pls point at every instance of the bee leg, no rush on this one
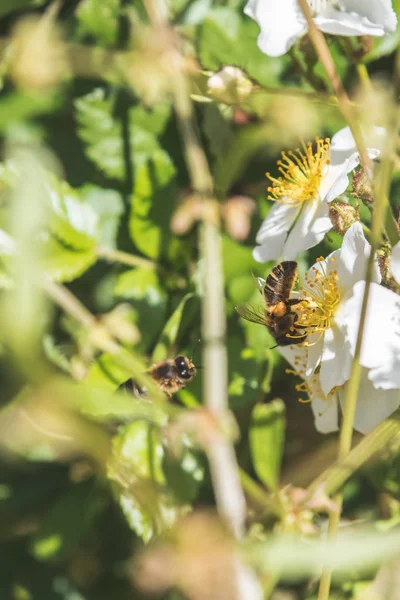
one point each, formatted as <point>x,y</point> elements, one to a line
<point>294,301</point>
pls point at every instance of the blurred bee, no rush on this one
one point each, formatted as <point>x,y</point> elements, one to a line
<point>277,314</point>
<point>170,375</point>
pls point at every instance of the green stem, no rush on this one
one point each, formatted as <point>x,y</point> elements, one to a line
<point>125,258</point>
<point>336,475</point>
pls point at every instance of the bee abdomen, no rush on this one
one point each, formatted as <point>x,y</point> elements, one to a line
<point>279,282</point>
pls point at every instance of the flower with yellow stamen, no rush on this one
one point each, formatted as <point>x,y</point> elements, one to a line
<point>310,178</point>
<point>301,173</point>
<point>329,314</point>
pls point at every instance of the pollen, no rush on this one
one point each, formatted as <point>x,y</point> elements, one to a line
<point>301,173</point>
<point>322,293</point>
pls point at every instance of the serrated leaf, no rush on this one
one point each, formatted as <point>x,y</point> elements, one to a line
<point>167,343</point>
<point>109,207</point>
<point>68,522</point>
<point>136,467</point>
<point>267,432</point>
<point>99,18</point>
<point>102,132</point>
<point>153,202</point>
<point>143,286</point>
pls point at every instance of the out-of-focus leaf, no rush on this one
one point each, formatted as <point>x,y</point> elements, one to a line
<point>68,522</point>
<point>73,222</point>
<point>237,259</point>
<point>184,476</point>
<point>63,263</point>
<point>383,46</point>
<point>217,129</point>
<point>143,287</point>
<point>8,6</point>
<point>153,202</point>
<point>55,354</point>
<point>228,38</point>
<point>267,430</point>
<point>244,373</point>
<point>136,468</point>
<point>99,18</point>
<point>167,343</point>
<point>102,132</point>
<point>109,208</point>
<point>17,107</point>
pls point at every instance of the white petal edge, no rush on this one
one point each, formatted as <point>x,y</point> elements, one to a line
<point>273,232</point>
<point>281,23</point>
<point>373,406</point>
<point>377,11</point>
<point>395,262</point>
<point>325,414</point>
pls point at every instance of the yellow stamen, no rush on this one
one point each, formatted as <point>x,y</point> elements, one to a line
<point>322,292</point>
<point>302,171</point>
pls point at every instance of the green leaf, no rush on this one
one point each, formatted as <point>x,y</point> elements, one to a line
<point>267,430</point>
<point>63,263</point>
<point>237,259</point>
<point>99,18</point>
<point>68,522</point>
<point>229,39</point>
<point>143,286</point>
<point>184,475</point>
<point>8,6</point>
<point>102,132</point>
<point>169,339</point>
<point>136,467</point>
<point>153,202</point>
<point>109,207</point>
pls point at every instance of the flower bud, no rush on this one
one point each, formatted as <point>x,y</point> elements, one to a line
<point>229,85</point>
<point>186,214</point>
<point>362,188</point>
<point>237,212</point>
<point>38,57</point>
<point>343,215</point>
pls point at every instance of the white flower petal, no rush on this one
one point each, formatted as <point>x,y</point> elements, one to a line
<point>303,236</point>
<point>351,260</point>
<point>373,406</point>
<point>315,347</point>
<point>339,177</point>
<point>379,12</point>
<point>296,356</point>
<point>325,413</point>
<point>381,338</point>
<point>281,23</point>
<point>395,262</point>
<point>340,22</point>
<point>273,232</point>
<point>335,361</point>
<point>343,144</point>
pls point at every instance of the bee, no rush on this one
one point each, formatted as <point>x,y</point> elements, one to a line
<point>277,314</point>
<point>170,375</point>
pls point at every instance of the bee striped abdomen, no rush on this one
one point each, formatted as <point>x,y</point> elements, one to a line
<point>279,283</point>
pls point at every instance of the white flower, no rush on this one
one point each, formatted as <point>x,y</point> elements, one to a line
<point>309,181</point>
<point>335,289</point>
<point>282,21</point>
<point>373,406</point>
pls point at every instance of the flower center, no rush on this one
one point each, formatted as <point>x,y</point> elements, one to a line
<point>301,173</point>
<point>322,292</point>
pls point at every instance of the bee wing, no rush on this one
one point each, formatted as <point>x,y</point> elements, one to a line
<point>254,314</point>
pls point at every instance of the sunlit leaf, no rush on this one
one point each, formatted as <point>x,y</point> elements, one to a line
<point>167,343</point>
<point>144,288</point>
<point>102,132</point>
<point>100,19</point>
<point>267,430</point>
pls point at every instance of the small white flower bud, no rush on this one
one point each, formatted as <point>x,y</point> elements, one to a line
<point>229,85</point>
